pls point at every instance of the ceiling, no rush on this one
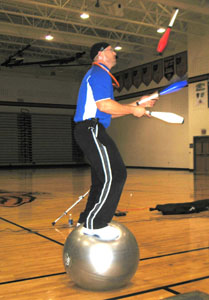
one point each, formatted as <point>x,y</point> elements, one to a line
<point>131,23</point>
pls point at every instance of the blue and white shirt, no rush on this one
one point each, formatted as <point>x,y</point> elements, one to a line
<point>96,86</point>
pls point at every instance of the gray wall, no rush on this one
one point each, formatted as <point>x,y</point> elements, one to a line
<point>149,142</point>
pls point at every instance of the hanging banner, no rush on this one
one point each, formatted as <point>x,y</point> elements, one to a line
<point>119,77</point>
<point>181,64</point>
<point>157,70</point>
<point>137,76</point>
<point>169,67</point>
<point>147,74</point>
<point>127,79</point>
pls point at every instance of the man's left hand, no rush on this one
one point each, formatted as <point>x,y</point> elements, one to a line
<point>149,103</point>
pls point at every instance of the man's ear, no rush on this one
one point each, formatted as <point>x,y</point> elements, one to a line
<point>99,55</point>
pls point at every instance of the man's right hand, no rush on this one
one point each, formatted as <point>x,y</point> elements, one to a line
<point>139,111</point>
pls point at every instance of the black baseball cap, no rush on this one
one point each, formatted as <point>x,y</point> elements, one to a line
<point>96,48</point>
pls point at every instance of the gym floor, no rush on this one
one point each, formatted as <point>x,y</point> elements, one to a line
<point>174,249</point>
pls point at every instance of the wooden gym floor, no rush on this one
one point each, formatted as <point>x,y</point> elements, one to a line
<point>174,250</point>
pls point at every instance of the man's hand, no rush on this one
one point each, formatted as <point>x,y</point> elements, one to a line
<point>139,111</point>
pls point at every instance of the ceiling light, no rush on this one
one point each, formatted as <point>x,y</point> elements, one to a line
<point>84,15</point>
<point>161,30</point>
<point>49,37</point>
<point>118,48</point>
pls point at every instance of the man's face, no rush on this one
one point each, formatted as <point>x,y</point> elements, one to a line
<point>109,56</point>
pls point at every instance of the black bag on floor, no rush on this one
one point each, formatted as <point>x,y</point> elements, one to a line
<point>183,208</point>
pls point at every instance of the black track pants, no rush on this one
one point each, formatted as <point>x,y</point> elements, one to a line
<point>108,173</point>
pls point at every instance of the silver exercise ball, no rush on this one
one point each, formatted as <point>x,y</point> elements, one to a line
<point>94,264</point>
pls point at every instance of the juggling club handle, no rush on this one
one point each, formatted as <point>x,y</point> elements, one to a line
<point>151,97</point>
<point>148,112</point>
